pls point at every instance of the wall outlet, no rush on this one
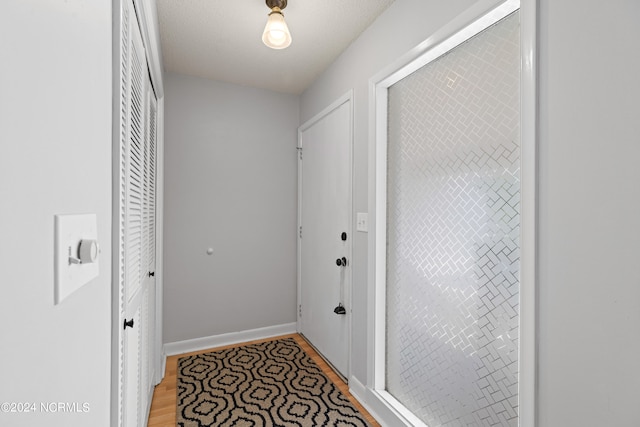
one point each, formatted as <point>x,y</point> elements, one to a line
<point>362,221</point>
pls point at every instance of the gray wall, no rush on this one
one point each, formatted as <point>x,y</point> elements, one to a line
<point>55,158</point>
<point>230,184</point>
<point>589,195</point>
<point>589,213</point>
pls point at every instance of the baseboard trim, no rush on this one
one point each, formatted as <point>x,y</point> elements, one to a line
<point>359,391</point>
<point>163,368</point>
<point>197,344</point>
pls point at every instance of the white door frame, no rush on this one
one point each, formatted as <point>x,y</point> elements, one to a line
<point>483,13</point>
<point>347,97</point>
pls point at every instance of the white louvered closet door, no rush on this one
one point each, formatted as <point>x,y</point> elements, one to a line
<point>136,226</point>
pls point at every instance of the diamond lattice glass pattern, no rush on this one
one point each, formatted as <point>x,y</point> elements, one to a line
<point>453,257</point>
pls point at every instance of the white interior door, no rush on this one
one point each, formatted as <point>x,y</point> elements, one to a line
<point>325,214</point>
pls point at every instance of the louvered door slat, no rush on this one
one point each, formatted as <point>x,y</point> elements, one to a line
<point>145,180</point>
<point>152,182</point>
<point>135,172</point>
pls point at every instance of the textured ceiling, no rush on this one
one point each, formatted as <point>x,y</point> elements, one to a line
<point>222,40</point>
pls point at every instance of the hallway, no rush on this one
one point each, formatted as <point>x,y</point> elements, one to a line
<point>230,186</point>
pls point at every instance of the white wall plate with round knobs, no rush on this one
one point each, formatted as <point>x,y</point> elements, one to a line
<point>76,253</point>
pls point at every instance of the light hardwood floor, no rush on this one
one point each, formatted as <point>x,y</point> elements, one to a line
<point>163,406</point>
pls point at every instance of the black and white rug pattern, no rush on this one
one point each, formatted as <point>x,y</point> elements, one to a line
<point>268,384</point>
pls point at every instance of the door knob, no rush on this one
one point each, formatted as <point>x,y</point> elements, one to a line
<point>128,323</point>
<point>341,262</point>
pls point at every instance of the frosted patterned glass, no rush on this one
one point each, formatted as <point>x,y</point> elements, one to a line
<point>453,257</point>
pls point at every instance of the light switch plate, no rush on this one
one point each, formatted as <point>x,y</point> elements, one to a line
<point>362,221</point>
<point>69,231</point>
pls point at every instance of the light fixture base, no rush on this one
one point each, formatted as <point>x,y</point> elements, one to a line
<point>276,3</point>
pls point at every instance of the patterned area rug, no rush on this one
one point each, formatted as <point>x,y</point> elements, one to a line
<point>268,384</point>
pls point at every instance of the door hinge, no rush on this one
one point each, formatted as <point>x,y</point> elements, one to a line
<point>299,310</point>
<point>300,232</point>
<point>299,152</point>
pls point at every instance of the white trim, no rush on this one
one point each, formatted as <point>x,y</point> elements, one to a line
<point>380,213</point>
<point>204,343</point>
<point>116,76</point>
<point>377,404</point>
<point>347,97</point>
<point>480,16</point>
<point>528,357</point>
<point>299,244</point>
<point>351,239</point>
<point>400,411</point>
<point>358,390</point>
<point>371,242</point>
<point>445,39</point>
<point>163,363</point>
<point>360,393</point>
<point>147,411</point>
<point>335,104</point>
<point>158,351</point>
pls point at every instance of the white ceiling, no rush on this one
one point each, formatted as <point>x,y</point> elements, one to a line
<point>222,40</point>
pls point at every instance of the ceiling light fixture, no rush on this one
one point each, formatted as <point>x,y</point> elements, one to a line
<point>276,33</point>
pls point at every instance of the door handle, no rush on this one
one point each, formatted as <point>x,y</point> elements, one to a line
<point>128,323</point>
<point>341,262</point>
<point>152,274</point>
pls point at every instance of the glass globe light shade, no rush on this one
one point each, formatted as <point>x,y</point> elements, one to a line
<point>276,33</point>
